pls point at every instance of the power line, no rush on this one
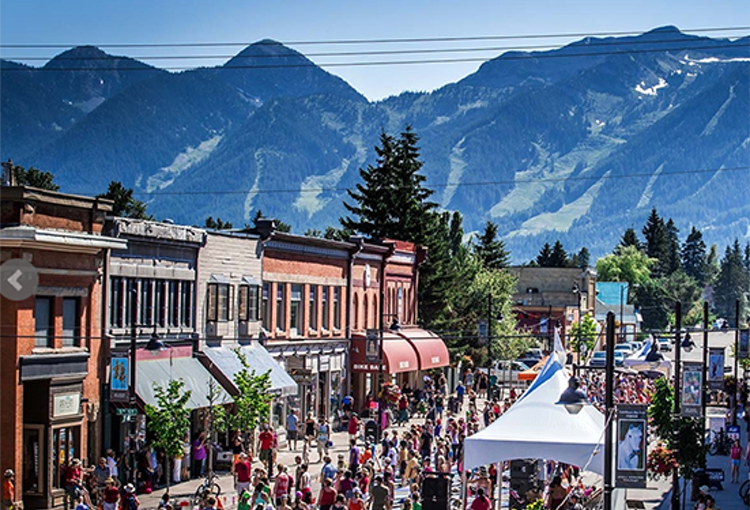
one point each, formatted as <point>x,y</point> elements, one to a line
<point>449,185</point>
<point>292,53</point>
<point>376,41</point>
<point>533,56</point>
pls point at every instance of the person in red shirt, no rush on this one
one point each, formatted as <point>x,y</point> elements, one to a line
<point>283,484</point>
<point>481,502</point>
<point>327,496</point>
<point>242,473</point>
<point>110,495</point>
<point>353,428</point>
<point>266,448</point>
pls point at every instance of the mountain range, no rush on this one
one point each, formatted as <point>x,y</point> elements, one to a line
<point>577,143</point>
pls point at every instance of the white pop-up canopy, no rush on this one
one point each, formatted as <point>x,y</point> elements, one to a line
<point>535,427</point>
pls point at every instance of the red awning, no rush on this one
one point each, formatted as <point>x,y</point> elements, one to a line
<point>398,355</point>
<point>431,349</point>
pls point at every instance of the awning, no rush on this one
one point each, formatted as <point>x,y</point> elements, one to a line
<point>225,359</point>
<point>431,350</point>
<point>398,355</point>
<point>160,371</point>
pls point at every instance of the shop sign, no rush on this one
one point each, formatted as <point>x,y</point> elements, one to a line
<point>692,389</point>
<point>716,368</point>
<point>126,411</point>
<point>119,379</point>
<point>66,404</point>
<point>631,447</point>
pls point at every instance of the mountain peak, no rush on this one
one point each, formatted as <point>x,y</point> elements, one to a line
<point>262,50</point>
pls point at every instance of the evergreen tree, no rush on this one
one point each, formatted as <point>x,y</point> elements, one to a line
<point>544,259</point>
<point>694,256</point>
<point>34,178</point>
<point>712,265</point>
<point>559,256</point>
<point>372,211</point>
<point>456,233</point>
<point>732,283</point>
<point>582,259</point>
<point>491,250</point>
<point>337,234</point>
<point>657,243</point>
<point>673,261</point>
<point>217,224</point>
<point>124,204</point>
<point>629,238</point>
<point>437,277</point>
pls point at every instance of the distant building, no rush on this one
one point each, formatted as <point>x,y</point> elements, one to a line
<point>614,297</point>
<point>549,296</point>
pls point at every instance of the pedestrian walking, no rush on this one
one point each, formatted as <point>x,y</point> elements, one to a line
<point>292,429</point>
<point>9,490</point>
<point>111,495</point>
<point>265,440</point>
<point>198,454</point>
<point>324,435</point>
<point>242,471</point>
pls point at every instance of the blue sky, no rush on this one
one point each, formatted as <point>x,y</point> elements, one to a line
<point>73,22</point>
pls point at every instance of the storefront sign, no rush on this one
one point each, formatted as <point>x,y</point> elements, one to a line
<point>744,348</point>
<point>66,404</point>
<point>119,379</point>
<point>733,432</point>
<point>716,368</point>
<point>692,388</point>
<point>631,446</point>
<point>372,346</point>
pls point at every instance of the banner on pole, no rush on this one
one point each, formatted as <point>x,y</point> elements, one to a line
<point>119,379</point>
<point>716,368</point>
<point>692,389</point>
<point>372,347</point>
<point>744,347</point>
<point>483,330</point>
<point>631,446</point>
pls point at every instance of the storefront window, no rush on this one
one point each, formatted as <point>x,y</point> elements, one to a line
<point>33,444</point>
<point>65,447</point>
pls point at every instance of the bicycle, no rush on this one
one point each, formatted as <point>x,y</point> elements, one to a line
<point>745,492</point>
<point>720,444</point>
<point>210,486</point>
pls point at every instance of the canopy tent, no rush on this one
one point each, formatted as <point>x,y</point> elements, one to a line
<point>535,427</point>
<point>637,361</point>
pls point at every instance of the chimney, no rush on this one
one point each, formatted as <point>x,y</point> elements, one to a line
<point>9,176</point>
<point>265,227</point>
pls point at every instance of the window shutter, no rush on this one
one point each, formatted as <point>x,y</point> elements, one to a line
<point>211,303</point>
<point>230,303</point>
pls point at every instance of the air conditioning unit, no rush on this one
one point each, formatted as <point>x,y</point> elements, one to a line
<point>244,329</point>
<point>212,330</point>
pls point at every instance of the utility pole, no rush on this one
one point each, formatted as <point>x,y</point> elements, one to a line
<point>676,410</point>
<point>736,359</point>
<point>133,403</point>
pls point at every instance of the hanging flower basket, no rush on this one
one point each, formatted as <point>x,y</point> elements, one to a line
<point>661,462</point>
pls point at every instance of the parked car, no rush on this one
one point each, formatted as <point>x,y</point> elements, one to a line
<point>625,349</point>
<point>599,359</point>
<point>507,371</point>
<point>664,343</point>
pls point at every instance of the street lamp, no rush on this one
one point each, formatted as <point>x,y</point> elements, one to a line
<point>676,400</point>
<point>571,399</point>
<point>687,342</point>
<point>577,292</point>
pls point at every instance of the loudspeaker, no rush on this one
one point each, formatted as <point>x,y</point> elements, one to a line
<point>435,493</point>
<point>523,468</point>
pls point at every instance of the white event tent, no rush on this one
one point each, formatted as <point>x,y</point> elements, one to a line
<point>535,427</point>
<point>637,361</point>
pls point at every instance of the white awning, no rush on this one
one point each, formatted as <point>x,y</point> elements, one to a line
<point>150,373</point>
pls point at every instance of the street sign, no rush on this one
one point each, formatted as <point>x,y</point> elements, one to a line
<point>126,411</point>
<point>119,379</point>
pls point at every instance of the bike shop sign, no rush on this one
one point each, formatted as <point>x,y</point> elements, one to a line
<point>631,447</point>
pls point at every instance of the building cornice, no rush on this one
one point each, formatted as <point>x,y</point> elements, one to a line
<point>58,240</point>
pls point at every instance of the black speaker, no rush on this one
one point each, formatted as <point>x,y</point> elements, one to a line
<point>523,468</point>
<point>435,489</point>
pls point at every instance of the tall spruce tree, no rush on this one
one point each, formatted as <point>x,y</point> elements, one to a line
<point>559,256</point>
<point>582,259</point>
<point>629,238</point>
<point>491,250</point>
<point>673,261</point>
<point>33,177</point>
<point>657,243</point>
<point>373,199</point>
<point>544,259</point>
<point>732,283</point>
<point>694,256</point>
<point>712,265</point>
<point>456,236</point>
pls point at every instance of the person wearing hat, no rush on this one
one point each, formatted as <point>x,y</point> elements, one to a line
<point>9,490</point>
<point>129,501</point>
<point>110,494</point>
<point>74,482</point>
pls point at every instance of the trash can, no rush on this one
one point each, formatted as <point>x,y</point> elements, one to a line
<point>371,432</point>
<point>700,478</point>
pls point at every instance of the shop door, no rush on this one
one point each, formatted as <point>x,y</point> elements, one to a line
<point>34,459</point>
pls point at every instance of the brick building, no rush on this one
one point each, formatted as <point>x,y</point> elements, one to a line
<point>50,354</point>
